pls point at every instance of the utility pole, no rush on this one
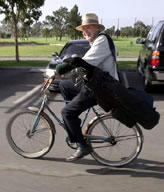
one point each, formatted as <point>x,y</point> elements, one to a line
<point>152,21</point>
<point>118,25</point>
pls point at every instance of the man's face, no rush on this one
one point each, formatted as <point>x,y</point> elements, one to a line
<point>90,32</point>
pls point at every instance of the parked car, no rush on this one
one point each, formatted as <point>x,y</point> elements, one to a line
<point>73,47</point>
<point>150,62</point>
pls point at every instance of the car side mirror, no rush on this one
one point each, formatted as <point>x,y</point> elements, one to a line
<point>140,41</point>
<point>55,54</point>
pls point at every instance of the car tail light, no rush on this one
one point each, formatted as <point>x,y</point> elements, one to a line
<point>155,58</point>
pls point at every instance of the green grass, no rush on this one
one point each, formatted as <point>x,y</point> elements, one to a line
<point>41,50</point>
<point>37,40</point>
<point>127,64</point>
<point>24,63</point>
<point>125,47</point>
<point>121,64</point>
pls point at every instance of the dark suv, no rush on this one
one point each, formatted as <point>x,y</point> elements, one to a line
<point>150,62</point>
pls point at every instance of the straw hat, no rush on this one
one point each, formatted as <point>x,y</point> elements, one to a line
<point>90,19</point>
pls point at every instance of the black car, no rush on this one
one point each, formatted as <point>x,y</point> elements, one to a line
<point>150,62</point>
<point>72,47</point>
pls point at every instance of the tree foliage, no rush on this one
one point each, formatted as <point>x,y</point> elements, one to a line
<point>74,20</point>
<point>20,11</point>
<point>126,31</point>
<point>36,29</point>
<point>57,22</point>
<point>63,22</point>
<point>46,33</point>
<point>140,29</point>
<point>110,31</point>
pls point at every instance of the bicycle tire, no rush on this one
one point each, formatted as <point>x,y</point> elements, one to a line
<point>39,143</point>
<point>126,146</point>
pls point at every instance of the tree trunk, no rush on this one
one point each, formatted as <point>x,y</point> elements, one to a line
<point>16,43</point>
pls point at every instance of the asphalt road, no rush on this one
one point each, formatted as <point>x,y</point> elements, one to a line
<point>19,89</point>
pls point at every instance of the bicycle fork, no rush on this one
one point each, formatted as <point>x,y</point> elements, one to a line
<point>31,132</point>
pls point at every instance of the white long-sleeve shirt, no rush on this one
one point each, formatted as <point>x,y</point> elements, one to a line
<point>100,55</point>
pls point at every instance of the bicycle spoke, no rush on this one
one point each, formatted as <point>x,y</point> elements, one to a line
<point>29,145</point>
<point>121,148</point>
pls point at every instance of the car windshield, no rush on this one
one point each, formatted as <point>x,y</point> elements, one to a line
<point>79,48</point>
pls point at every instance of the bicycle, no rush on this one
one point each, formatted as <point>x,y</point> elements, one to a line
<point>31,134</point>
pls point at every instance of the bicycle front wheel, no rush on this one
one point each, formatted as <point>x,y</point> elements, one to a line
<point>28,145</point>
<point>116,144</point>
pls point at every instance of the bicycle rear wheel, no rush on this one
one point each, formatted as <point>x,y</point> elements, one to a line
<point>26,145</point>
<point>122,146</point>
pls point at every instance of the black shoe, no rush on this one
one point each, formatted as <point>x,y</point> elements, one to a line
<point>79,153</point>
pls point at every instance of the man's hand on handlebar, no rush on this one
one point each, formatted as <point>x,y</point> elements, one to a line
<point>54,75</point>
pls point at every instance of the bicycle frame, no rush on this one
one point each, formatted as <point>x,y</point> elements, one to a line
<point>44,105</point>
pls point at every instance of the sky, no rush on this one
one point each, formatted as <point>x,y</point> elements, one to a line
<point>119,13</point>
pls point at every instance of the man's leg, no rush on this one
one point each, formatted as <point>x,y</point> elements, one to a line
<point>67,89</point>
<point>70,114</point>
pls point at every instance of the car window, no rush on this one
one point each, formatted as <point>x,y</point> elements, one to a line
<point>155,32</point>
<point>149,36</point>
<point>161,43</point>
<point>80,49</point>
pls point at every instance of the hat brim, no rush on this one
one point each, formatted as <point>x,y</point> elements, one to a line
<point>79,28</point>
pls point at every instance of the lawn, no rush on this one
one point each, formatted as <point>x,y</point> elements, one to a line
<point>125,47</point>
<point>29,50</point>
<point>31,63</point>
<point>42,63</point>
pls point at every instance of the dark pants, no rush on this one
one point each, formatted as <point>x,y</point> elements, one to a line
<point>81,100</point>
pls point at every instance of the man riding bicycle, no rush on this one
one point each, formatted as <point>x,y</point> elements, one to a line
<point>98,55</point>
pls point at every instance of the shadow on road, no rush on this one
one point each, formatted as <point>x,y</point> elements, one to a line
<point>139,168</point>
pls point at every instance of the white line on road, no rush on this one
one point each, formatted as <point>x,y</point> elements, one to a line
<point>35,89</point>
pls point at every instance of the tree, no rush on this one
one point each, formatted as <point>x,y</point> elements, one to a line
<point>74,20</point>
<point>24,31</point>
<point>139,29</point>
<point>8,26</point>
<point>58,22</point>
<point>117,33</point>
<point>126,31</point>
<point>20,11</point>
<point>36,29</point>
<point>46,33</point>
<point>110,31</point>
